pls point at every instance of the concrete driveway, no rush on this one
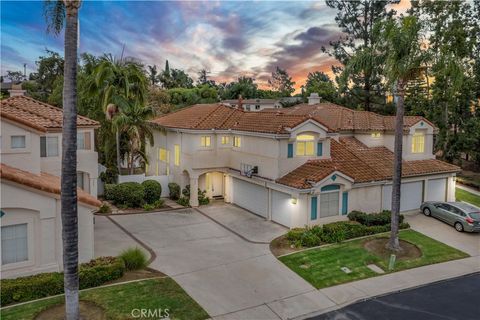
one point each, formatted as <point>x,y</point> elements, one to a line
<point>224,270</point>
<point>438,230</point>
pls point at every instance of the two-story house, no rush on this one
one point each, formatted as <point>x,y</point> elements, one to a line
<point>298,165</point>
<point>31,148</point>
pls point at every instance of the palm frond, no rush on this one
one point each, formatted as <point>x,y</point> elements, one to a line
<point>54,12</point>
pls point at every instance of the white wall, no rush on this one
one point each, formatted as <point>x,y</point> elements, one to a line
<point>41,212</point>
<point>366,199</point>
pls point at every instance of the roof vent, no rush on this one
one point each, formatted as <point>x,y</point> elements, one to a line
<point>313,99</point>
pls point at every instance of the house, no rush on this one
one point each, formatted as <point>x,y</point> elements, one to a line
<point>298,166</point>
<point>31,240</point>
<point>254,104</point>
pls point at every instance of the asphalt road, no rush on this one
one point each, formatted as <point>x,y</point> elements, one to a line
<point>457,299</point>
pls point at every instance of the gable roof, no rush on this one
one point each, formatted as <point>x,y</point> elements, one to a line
<point>38,115</point>
<point>361,163</point>
<point>44,182</point>
<point>332,116</point>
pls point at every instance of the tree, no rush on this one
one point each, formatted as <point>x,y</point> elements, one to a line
<point>56,13</point>
<point>159,100</point>
<point>132,123</point>
<point>49,68</point>
<point>364,85</point>
<point>244,86</point>
<point>319,82</point>
<point>282,82</point>
<point>15,76</point>
<point>401,40</point>
<point>153,75</point>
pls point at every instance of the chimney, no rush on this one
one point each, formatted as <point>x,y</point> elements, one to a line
<point>16,90</point>
<point>240,102</point>
<point>313,99</point>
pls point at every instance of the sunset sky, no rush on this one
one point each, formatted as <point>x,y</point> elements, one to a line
<point>230,39</point>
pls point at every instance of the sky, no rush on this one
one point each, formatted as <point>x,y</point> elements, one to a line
<point>230,39</point>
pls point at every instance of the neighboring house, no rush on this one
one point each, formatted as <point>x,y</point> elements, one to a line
<point>254,104</point>
<point>31,240</point>
<point>299,165</point>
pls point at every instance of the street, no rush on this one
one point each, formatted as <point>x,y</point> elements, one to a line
<point>455,299</point>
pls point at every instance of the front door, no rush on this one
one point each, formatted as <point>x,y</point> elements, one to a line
<point>214,184</point>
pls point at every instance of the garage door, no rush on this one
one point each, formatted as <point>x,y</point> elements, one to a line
<point>250,196</point>
<point>281,208</point>
<point>437,190</point>
<point>410,198</point>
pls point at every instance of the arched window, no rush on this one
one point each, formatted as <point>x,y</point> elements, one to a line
<point>305,145</point>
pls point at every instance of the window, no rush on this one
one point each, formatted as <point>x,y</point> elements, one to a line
<point>237,142</point>
<point>162,154</point>
<point>225,140</point>
<point>18,142</point>
<point>83,141</point>
<point>176,149</point>
<point>80,182</point>
<point>257,107</point>
<point>48,147</point>
<point>418,142</point>
<point>376,135</point>
<point>329,204</point>
<point>305,145</point>
<point>14,243</point>
<point>205,141</point>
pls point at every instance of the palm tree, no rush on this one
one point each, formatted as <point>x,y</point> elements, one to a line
<point>152,75</point>
<point>404,57</point>
<point>131,122</point>
<point>58,12</point>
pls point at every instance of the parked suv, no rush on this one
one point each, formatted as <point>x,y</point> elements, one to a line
<point>462,216</point>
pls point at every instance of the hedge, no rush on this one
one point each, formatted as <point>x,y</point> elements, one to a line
<point>128,194</point>
<point>373,219</point>
<point>91,274</point>
<point>174,191</point>
<point>152,191</point>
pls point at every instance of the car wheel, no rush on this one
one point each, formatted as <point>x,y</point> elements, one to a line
<point>458,226</point>
<point>427,212</point>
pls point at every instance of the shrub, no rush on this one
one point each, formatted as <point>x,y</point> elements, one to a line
<point>373,219</point>
<point>310,239</point>
<point>159,203</point>
<point>334,232</point>
<point>109,191</point>
<point>93,273</point>
<point>104,208</point>
<point>202,198</point>
<point>129,194</point>
<point>295,234</point>
<point>183,201</point>
<point>174,191</point>
<point>152,191</point>
<point>148,207</point>
<point>134,259</point>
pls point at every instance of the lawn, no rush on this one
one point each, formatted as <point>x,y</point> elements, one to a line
<point>119,301</point>
<point>462,195</point>
<point>321,267</point>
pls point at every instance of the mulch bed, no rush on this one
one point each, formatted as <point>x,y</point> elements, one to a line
<point>379,248</point>
<point>280,246</point>
<point>117,211</point>
<point>88,310</point>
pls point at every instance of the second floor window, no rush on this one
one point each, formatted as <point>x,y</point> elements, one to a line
<point>48,147</point>
<point>418,142</point>
<point>237,142</point>
<point>176,149</point>
<point>205,141</point>
<point>305,145</point>
<point>18,142</point>
<point>162,154</point>
<point>83,141</point>
<point>225,140</point>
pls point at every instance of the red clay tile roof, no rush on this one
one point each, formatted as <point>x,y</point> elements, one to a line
<point>332,116</point>
<point>44,182</point>
<point>220,117</point>
<point>362,164</point>
<point>37,115</point>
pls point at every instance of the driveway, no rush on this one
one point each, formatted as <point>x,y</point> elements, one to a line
<point>222,266</point>
<point>438,230</point>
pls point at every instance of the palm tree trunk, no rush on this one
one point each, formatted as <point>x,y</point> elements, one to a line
<point>394,244</point>
<point>69,164</point>
<point>117,141</point>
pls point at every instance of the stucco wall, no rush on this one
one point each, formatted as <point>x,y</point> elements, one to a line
<point>367,199</point>
<point>41,212</point>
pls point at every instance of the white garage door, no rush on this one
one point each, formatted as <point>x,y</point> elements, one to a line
<point>410,198</point>
<point>250,196</point>
<point>281,208</point>
<point>437,190</point>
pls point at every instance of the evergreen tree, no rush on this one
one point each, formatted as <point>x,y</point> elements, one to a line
<point>282,82</point>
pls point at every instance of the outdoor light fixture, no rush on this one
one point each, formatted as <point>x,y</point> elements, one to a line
<point>293,200</point>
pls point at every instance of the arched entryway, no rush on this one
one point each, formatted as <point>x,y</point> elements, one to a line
<point>213,183</point>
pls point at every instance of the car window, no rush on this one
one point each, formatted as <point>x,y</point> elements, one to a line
<point>445,206</point>
<point>456,211</point>
<point>475,215</point>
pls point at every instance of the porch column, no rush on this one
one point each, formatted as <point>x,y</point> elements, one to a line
<point>194,191</point>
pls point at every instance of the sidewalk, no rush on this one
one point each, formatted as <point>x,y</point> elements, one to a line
<point>316,302</point>
<point>471,190</point>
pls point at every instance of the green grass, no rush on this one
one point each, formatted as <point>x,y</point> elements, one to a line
<point>462,195</point>
<point>321,267</point>
<point>119,300</point>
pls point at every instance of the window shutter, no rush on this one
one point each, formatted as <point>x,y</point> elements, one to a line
<point>313,209</point>
<point>86,140</point>
<point>43,147</point>
<point>319,149</point>
<point>290,150</point>
<point>345,203</point>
